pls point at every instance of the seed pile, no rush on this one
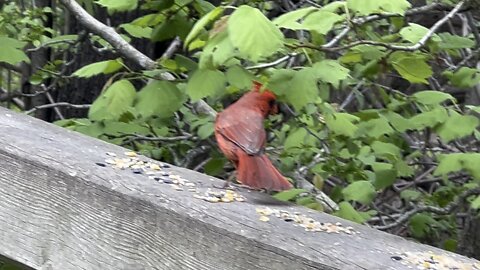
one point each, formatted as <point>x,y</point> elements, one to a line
<point>220,196</point>
<point>432,261</point>
<point>156,171</point>
<point>309,224</point>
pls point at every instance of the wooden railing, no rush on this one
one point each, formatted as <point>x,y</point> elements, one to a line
<point>64,206</point>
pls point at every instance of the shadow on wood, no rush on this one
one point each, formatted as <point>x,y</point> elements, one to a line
<point>59,210</point>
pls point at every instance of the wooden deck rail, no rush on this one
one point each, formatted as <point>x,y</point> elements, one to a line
<point>61,210</point>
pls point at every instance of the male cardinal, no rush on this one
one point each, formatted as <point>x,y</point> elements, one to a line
<point>241,137</point>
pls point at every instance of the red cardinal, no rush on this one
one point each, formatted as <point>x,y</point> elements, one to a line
<point>241,137</point>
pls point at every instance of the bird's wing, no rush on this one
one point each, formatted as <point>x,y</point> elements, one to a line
<point>244,128</point>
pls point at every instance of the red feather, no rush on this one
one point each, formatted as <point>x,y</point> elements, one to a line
<point>241,137</point>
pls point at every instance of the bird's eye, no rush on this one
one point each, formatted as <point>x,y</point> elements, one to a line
<point>271,103</point>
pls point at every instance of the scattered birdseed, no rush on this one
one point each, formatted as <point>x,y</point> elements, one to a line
<point>431,261</point>
<point>309,224</point>
<point>225,196</point>
<point>155,167</point>
<point>154,170</point>
<point>131,154</point>
<point>264,218</point>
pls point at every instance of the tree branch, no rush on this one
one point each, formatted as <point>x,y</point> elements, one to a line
<point>329,46</point>
<point>59,104</point>
<point>274,63</point>
<point>123,47</point>
<point>432,209</point>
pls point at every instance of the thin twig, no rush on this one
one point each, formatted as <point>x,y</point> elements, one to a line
<point>274,63</point>
<point>394,47</point>
<point>432,209</point>
<point>58,104</point>
<point>137,137</point>
<point>172,48</point>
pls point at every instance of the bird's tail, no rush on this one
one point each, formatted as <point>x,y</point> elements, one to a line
<point>259,172</point>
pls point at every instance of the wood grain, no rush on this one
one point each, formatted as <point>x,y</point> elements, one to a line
<point>59,210</point>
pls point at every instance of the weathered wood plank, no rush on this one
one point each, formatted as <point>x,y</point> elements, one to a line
<point>58,210</point>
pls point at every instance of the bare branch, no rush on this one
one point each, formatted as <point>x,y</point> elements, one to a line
<point>137,137</point>
<point>109,34</point>
<point>274,63</point>
<point>432,209</point>
<point>394,47</point>
<point>362,20</point>
<point>172,48</point>
<point>58,104</point>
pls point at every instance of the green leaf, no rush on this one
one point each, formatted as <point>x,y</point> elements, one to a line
<point>305,90</point>
<point>330,71</point>
<point>386,150</point>
<point>450,245</point>
<point>384,178</point>
<point>420,225</point>
<point>214,166</point>
<point>116,128</point>
<point>334,6</point>
<point>359,191</point>
<point>305,200</point>
<point>159,98</point>
<point>206,130</point>
<point>298,139</point>
<point>13,56</point>
<point>13,43</point>
<point>137,31</point>
<point>118,5</point>
<point>428,119</point>
<point>430,97</point>
<point>457,126</point>
<point>374,128</point>
<point>321,21</point>
<point>366,7</point>
<point>347,211</point>
<point>366,52</point>
<point>410,194</point>
<point>455,162</point>
<point>253,34</point>
<point>239,77</point>
<point>217,51</point>
<point>397,121</point>
<point>290,194</point>
<point>341,123</point>
<point>116,100</point>
<point>290,19</point>
<point>475,204</point>
<point>449,163</point>
<point>465,77</point>
<point>176,26</point>
<point>411,67</point>
<point>414,32</point>
<point>403,169</point>
<point>159,5</point>
<point>103,67</point>
<point>280,80</point>
<point>200,24</point>
<point>205,82</point>
<point>11,51</point>
<point>450,41</point>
